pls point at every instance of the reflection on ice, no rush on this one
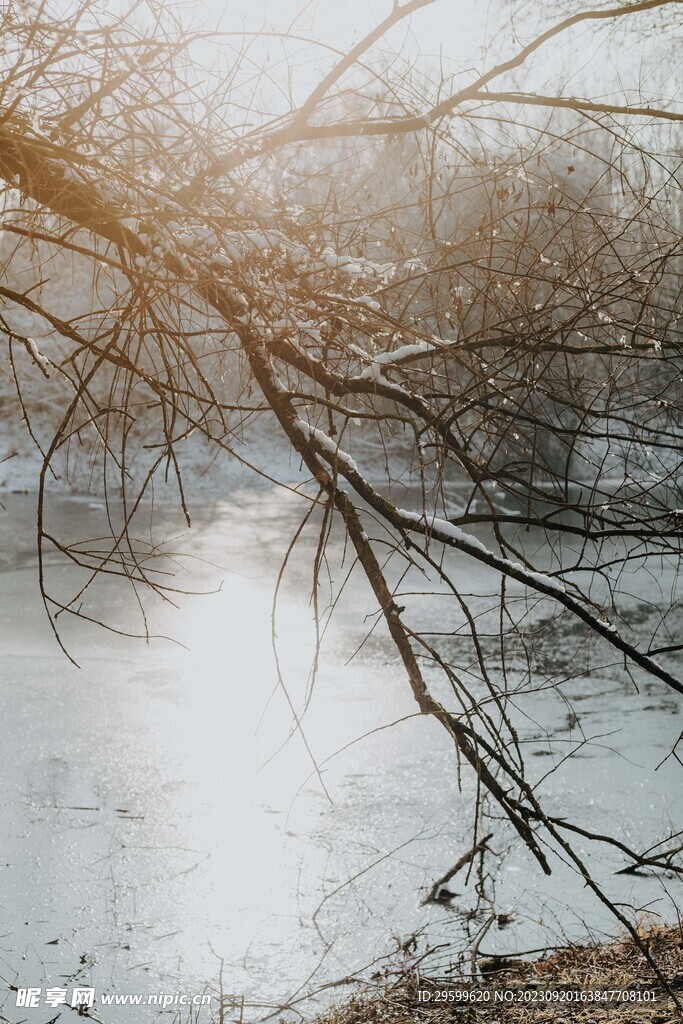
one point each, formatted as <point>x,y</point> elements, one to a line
<point>161,812</point>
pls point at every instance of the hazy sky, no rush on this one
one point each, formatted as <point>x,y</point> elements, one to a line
<point>451,25</point>
<point>453,34</point>
<point>596,60</point>
<point>448,30</point>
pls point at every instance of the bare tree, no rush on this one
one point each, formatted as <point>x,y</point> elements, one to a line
<point>481,284</point>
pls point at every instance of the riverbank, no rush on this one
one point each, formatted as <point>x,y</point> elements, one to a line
<point>582,984</point>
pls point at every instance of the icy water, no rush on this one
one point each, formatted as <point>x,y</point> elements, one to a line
<point>161,823</point>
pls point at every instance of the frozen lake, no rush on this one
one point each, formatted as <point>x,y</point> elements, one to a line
<point>161,823</point>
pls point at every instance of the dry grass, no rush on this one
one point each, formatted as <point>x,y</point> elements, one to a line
<point>618,966</point>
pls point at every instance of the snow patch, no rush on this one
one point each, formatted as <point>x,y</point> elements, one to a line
<point>38,358</point>
<point>442,529</point>
<point>327,444</point>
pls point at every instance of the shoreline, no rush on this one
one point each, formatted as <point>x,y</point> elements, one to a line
<point>586,984</point>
